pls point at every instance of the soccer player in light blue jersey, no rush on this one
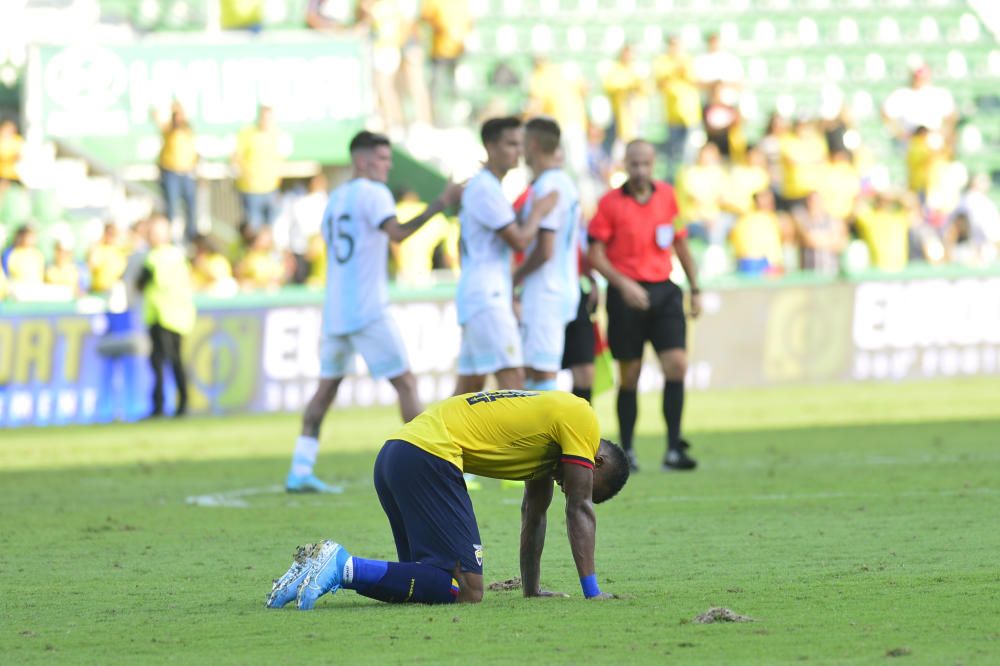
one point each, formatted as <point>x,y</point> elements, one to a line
<point>491,343</point>
<point>359,221</point>
<point>550,272</point>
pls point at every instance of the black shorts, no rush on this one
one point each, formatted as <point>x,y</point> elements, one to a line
<point>580,339</point>
<point>429,508</point>
<point>663,323</point>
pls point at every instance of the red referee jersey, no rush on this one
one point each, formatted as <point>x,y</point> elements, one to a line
<point>638,238</point>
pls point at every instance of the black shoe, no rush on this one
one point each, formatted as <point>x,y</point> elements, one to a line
<point>181,412</point>
<point>677,460</point>
<point>633,463</point>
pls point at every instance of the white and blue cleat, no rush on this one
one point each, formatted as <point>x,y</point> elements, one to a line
<point>286,588</point>
<point>325,574</point>
<point>309,484</point>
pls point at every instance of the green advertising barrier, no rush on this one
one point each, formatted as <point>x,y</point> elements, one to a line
<point>100,97</point>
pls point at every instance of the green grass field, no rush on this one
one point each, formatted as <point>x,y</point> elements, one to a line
<point>857,524</point>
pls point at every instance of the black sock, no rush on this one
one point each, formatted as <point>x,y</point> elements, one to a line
<point>673,406</point>
<point>627,412</point>
<point>582,392</point>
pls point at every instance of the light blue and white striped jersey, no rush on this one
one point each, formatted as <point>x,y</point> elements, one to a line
<point>356,254</point>
<point>485,280</point>
<point>553,289</point>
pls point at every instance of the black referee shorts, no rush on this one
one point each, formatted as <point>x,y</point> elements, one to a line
<point>663,324</point>
<point>580,340</point>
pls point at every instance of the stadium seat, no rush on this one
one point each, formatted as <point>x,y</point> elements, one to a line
<point>764,33</point>
<point>847,31</point>
<point>958,68</point>
<point>808,31</point>
<point>968,28</point>
<point>929,30</point>
<point>888,30</point>
<point>15,207</point>
<point>874,67</point>
<point>541,38</point>
<point>757,70</point>
<point>834,68</point>
<point>576,38</point>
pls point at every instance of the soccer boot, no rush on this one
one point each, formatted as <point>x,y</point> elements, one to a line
<point>677,460</point>
<point>325,574</point>
<point>309,484</point>
<point>286,588</point>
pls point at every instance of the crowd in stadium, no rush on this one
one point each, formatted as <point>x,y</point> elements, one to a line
<point>804,194</point>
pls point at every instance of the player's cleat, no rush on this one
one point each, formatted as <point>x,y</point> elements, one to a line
<point>325,574</point>
<point>309,484</point>
<point>286,588</point>
<point>633,461</point>
<point>677,460</point>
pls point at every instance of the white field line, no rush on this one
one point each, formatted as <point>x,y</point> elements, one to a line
<point>234,499</point>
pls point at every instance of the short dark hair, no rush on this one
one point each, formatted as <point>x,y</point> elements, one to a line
<point>493,128</point>
<point>546,132</point>
<point>618,472</point>
<point>365,140</point>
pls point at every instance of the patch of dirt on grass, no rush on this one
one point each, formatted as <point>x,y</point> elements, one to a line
<point>719,614</point>
<point>505,585</point>
<point>899,652</point>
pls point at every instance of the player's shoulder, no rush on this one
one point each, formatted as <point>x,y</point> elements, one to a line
<point>373,187</point>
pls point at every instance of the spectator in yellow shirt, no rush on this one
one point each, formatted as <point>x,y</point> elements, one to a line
<point>822,237</point>
<point>11,144</point>
<point>262,267</point>
<point>211,271</point>
<point>555,93</point>
<point>258,162</point>
<point>701,188</point>
<point>415,255</point>
<point>840,186</point>
<point>177,162</point>
<point>107,261</point>
<point>803,162</point>
<point>241,14</point>
<point>926,158</point>
<point>25,263</point>
<point>756,238</point>
<point>624,88</point>
<point>386,27</point>
<point>745,180</point>
<point>885,227</point>
<point>450,22</point>
<point>63,272</point>
<point>676,80</point>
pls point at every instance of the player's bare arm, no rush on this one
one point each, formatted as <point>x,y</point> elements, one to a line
<point>519,235</point>
<point>633,293</point>
<point>534,506</point>
<point>683,253</point>
<point>542,252</point>
<point>581,520</point>
<point>449,198</point>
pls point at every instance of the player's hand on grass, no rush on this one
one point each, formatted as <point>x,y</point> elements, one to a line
<point>635,296</point>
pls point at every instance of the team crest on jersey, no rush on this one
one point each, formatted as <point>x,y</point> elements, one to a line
<point>478,548</point>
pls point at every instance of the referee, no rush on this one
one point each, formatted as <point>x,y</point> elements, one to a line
<point>632,239</point>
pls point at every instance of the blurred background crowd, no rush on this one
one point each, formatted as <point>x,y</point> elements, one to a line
<point>800,139</point>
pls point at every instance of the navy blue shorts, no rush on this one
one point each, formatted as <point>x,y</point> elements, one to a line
<point>429,508</point>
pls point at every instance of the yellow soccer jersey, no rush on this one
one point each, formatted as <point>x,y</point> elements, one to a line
<point>508,434</point>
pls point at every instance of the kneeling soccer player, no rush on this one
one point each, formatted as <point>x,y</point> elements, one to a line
<point>538,437</point>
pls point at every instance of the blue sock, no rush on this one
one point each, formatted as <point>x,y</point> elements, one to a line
<point>540,384</point>
<point>400,582</point>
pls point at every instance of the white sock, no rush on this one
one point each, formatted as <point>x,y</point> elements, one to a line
<point>347,575</point>
<point>304,457</point>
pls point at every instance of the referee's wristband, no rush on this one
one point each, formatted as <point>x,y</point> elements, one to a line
<point>589,585</point>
